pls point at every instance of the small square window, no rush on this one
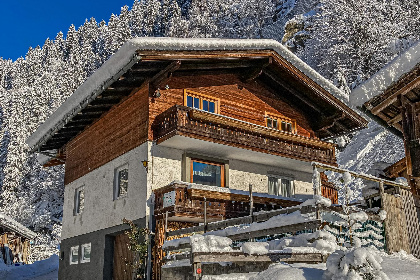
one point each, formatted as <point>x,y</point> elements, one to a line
<point>121,181</point>
<point>74,255</point>
<point>79,202</point>
<point>85,253</point>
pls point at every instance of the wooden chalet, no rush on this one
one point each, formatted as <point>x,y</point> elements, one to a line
<point>195,122</point>
<point>14,241</point>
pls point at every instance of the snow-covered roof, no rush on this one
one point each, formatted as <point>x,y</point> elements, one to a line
<point>384,78</point>
<point>13,225</point>
<point>126,57</point>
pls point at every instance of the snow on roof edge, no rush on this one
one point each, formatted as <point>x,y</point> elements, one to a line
<point>386,76</point>
<point>12,224</point>
<point>99,80</point>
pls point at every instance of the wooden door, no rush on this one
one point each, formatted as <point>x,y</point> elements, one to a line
<point>123,258</point>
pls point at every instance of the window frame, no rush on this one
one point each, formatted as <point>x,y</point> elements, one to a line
<point>77,205</point>
<point>116,189</point>
<point>82,256</point>
<point>199,160</point>
<point>279,120</point>
<point>201,98</point>
<point>279,179</point>
<point>71,254</point>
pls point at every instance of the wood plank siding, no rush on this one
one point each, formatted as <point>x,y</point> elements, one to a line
<point>120,130</point>
<point>248,102</point>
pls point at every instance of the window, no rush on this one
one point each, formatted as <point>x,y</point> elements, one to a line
<point>79,202</point>
<point>207,173</point>
<point>74,255</point>
<point>121,181</point>
<point>280,123</point>
<point>200,101</point>
<point>85,253</point>
<point>280,186</point>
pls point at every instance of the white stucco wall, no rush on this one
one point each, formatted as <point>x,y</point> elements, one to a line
<point>167,167</point>
<point>242,173</point>
<point>100,210</point>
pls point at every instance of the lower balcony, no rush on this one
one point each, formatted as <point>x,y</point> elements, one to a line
<point>184,202</point>
<point>188,123</point>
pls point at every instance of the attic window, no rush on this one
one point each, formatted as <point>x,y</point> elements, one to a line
<point>201,101</point>
<point>280,123</point>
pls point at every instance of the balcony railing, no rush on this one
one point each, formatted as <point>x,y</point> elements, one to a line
<point>181,120</point>
<point>186,201</point>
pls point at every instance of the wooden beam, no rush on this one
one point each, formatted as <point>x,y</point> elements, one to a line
<point>395,120</point>
<point>255,71</point>
<point>287,87</point>
<point>393,97</point>
<point>164,75</point>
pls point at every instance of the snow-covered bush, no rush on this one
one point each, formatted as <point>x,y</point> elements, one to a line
<point>355,264</point>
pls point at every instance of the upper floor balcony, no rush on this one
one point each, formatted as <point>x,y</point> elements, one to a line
<point>210,127</point>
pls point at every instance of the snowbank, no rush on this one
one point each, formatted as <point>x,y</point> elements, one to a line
<point>318,242</point>
<point>210,243</point>
<point>276,221</point>
<point>255,248</point>
<point>317,200</point>
<point>30,271</point>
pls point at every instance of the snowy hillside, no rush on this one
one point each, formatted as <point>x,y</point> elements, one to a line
<point>345,41</point>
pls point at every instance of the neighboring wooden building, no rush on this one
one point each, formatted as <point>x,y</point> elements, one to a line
<point>14,241</point>
<point>391,97</point>
<point>186,119</point>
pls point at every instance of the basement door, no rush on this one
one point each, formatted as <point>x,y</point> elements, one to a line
<point>123,258</point>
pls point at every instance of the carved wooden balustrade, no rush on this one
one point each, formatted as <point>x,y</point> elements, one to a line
<point>186,201</point>
<point>181,120</point>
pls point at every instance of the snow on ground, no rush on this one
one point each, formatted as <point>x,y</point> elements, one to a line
<point>398,266</point>
<point>40,270</point>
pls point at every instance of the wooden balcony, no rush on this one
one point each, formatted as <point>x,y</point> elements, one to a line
<point>185,202</point>
<point>188,122</point>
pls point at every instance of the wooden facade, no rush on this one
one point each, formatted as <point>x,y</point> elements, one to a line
<point>250,85</point>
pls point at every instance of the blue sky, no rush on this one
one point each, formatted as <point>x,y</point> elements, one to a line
<point>26,23</point>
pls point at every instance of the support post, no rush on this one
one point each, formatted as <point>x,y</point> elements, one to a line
<point>382,193</point>
<point>166,224</point>
<point>251,203</point>
<point>205,214</point>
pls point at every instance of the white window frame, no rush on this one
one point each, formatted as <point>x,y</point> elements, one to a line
<point>77,210</point>
<point>71,254</point>
<point>116,182</point>
<point>279,178</point>
<point>82,256</point>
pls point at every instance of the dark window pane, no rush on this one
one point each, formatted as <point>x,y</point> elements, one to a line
<point>275,124</point>
<point>289,127</point>
<point>212,107</point>
<point>206,174</point>
<point>269,122</point>
<point>197,102</point>
<point>205,105</point>
<point>283,126</point>
<point>189,101</point>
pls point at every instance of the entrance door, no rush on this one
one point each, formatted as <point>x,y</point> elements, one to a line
<point>123,258</point>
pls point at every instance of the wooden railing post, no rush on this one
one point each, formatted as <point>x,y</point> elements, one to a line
<point>382,193</point>
<point>166,225</point>
<point>205,214</point>
<point>251,203</point>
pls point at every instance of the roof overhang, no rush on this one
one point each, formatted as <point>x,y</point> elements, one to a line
<point>380,96</point>
<point>152,60</point>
